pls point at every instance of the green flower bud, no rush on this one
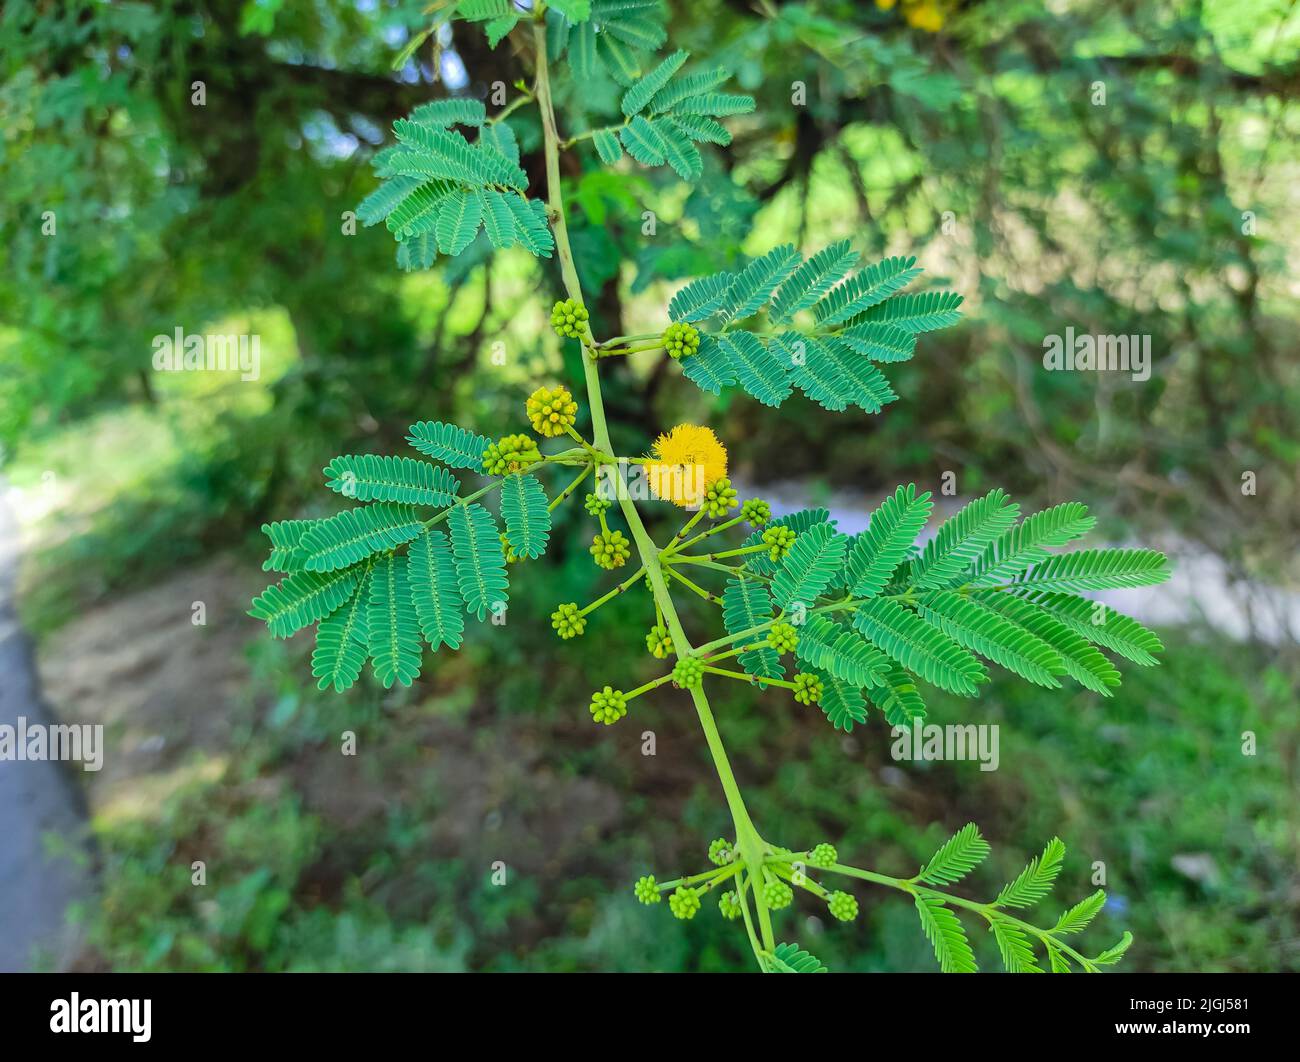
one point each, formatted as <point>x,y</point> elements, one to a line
<point>551,410</point>
<point>684,903</point>
<point>510,454</point>
<point>823,856</point>
<point>566,621</point>
<point>509,551</point>
<point>843,906</point>
<point>721,852</point>
<point>681,339</point>
<point>688,672</point>
<point>608,706</point>
<point>610,550</point>
<point>807,688</point>
<point>720,497</point>
<point>568,318</point>
<point>729,906</point>
<point>777,894</point>
<point>778,539</point>
<point>783,638</point>
<point>647,890</point>
<point>756,512</point>
<point>659,642</point>
<point>595,504</point>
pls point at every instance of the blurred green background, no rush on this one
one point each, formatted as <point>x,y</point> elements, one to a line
<point>967,133</point>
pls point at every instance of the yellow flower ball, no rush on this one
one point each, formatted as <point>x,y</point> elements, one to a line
<point>687,461</point>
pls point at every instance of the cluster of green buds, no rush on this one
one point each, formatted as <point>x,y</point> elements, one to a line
<point>783,638</point>
<point>681,340</point>
<point>777,894</point>
<point>688,672</point>
<point>510,454</point>
<point>647,889</point>
<point>509,551</point>
<point>569,318</point>
<point>756,511</point>
<point>551,411</point>
<point>721,852</point>
<point>595,504</point>
<point>610,549</point>
<point>843,905</point>
<point>684,902</point>
<point>568,621</point>
<point>720,497</point>
<point>807,688</point>
<point>823,856</point>
<point>659,643</point>
<point>608,706</point>
<point>729,906</point>
<point>778,541</point>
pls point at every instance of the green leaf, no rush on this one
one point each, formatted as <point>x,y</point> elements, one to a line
<point>1096,569</point>
<point>956,857</point>
<point>812,280</point>
<point>809,566</point>
<point>342,642</point>
<point>460,110</point>
<point>1100,623</point>
<point>643,142</point>
<point>498,219</point>
<point>835,649</point>
<point>880,342</point>
<point>582,51</point>
<point>619,59</point>
<point>1059,963</point>
<point>754,367</point>
<point>1017,952</point>
<point>531,227</point>
<point>746,604</point>
<point>638,97</point>
<point>700,298</point>
<point>480,564</point>
<point>919,647</point>
<point>962,538</point>
<point>842,702</point>
<point>386,198</point>
<point>434,590</point>
<point>303,598</point>
<point>946,936</point>
<point>753,285</point>
<point>355,534</point>
<point>458,221</point>
<point>607,146</point>
<point>897,697</point>
<point>1036,880</point>
<point>798,522</point>
<point>864,290</point>
<point>448,443</point>
<point>790,958</point>
<point>418,210</point>
<point>1112,955</point>
<point>1025,544</point>
<point>1076,919</point>
<point>393,627</point>
<point>923,312</point>
<point>710,368</point>
<point>682,155</point>
<point>573,10</point>
<point>372,477</point>
<point>286,545</point>
<point>1081,661</point>
<point>981,630</point>
<point>527,517</point>
<point>878,551</point>
<point>859,382</point>
<point>694,84</point>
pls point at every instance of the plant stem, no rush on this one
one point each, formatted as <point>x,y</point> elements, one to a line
<point>747,838</point>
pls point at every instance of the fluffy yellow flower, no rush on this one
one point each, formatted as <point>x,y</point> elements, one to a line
<point>924,16</point>
<point>688,460</point>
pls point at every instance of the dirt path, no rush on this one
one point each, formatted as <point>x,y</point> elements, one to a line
<point>35,799</point>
